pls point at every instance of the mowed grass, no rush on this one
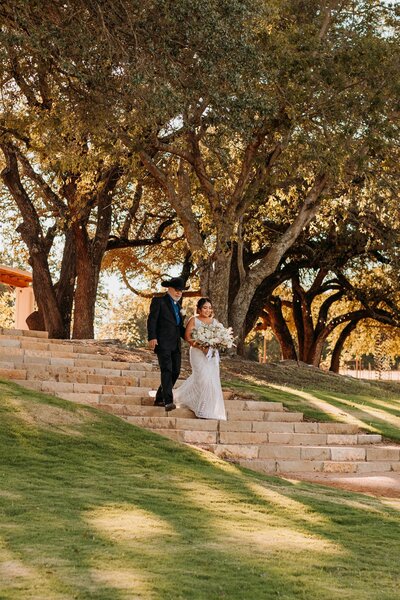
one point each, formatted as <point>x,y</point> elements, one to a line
<point>93,508</point>
<point>320,396</point>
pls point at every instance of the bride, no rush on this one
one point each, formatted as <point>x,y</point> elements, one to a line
<point>202,391</point>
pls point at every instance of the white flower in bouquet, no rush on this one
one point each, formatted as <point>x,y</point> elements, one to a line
<point>214,336</point>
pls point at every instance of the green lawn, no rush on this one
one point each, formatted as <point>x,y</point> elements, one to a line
<point>93,508</point>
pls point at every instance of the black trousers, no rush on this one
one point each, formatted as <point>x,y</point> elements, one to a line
<point>170,366</point>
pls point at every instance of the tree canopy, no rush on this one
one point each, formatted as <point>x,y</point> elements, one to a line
<point>251,137</point>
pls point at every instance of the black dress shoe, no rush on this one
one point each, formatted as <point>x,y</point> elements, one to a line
<point>169,407</point>
<point>159,403</point>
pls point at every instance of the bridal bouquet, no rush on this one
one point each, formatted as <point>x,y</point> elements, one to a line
<point>214,337</point>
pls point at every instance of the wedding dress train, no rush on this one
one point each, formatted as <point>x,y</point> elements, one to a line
<point>202,391</point>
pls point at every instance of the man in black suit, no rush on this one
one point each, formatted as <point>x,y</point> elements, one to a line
<point>165,329</point>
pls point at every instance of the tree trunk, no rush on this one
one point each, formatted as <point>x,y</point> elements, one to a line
<point>66,283</point>
<point>270,262</point>
<point>215,275</point>
<point>32,235</point>
<point>281,330</point>
<point>337,351</point>
<point>90,253</point>
<point>86,285</point>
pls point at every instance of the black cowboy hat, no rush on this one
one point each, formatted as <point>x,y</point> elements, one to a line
<point>176,282</point>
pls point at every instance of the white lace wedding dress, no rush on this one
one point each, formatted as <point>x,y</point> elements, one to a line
<point>202,391</point>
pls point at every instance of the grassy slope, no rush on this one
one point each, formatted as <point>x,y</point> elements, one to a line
<point>374,406</point>
<point>92,508</point>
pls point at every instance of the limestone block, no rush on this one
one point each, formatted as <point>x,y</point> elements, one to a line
<point>273,426</point>
<point>100,379</point>
<point>12,373</point>
<point>374,467</point>
<point>172,434</point>
<point>341,439</point>
<point>28,344</point>
<point>242,437</point>
<point>138,391</point>
<point>315,453</point>
<point>340,454</point>
<point>144,411</point>
<point>306,427</point>
<point>369,438</point>
<point>84,362</point>
<point>235,404</point>
<point>31,385</point>
<point>89,388</point>
<point>289,417</point>
<point>299,466</point>
<point>8,351</point>
<point>122,399</point>
<point>150,382</point>
<point>236,451</point>
<point>34,333</point>
<point>199,437</point>
<point>55,386</point>
<point>39,373</point>
<point>82,398</point>
<point>259,405</point>
<point>280,452</point>
<point>36,360</point>
<point>113,389</point>
<point>98,370</point>
<point>62,361</point>
<point>262,466</point>
<point>339,467</point>
<point>77,377</point>
<point>383,453</point>
<point>245,415</point>
<point>5,343</point>
<point>132,372</point>
<point>298,439</point>
<point>130,381</point>
<point>346,428</point>
<point>8,365</point>
<point>160,422</point>
<point>196,424</point>
<point>235,425</point>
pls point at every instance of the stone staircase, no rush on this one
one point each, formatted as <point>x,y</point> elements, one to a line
<point>259,435</point>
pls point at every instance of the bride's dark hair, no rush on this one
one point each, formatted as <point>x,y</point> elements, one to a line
<point>202,302</point>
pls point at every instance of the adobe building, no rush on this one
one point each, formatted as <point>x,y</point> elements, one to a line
<point>24,298</point>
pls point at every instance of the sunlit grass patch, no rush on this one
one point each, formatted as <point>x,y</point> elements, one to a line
<point>118,513</point>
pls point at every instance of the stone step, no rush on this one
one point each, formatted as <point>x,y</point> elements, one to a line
<point>297,467</point>
<point>147,411</point>
<point>82,374</point>
<point>331,453</point>
<point>15,356</point>
<point>172,420</point>
<point>4,331</point>
<point>201,438</point>
<point>22,336</point>
<point>251,415</point>
<point>29,342</point>
<point>316,439</point>
<point>57,387</point>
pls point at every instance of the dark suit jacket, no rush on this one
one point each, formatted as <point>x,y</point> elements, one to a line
<point>162,325</point>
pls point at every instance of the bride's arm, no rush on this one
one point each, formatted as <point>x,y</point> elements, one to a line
<point>190,340</point>
<point>188,332</point>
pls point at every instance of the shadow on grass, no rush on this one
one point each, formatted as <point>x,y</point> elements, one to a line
<point>109,511</point>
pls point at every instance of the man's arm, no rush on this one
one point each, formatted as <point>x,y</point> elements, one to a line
<point>152,322</point>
